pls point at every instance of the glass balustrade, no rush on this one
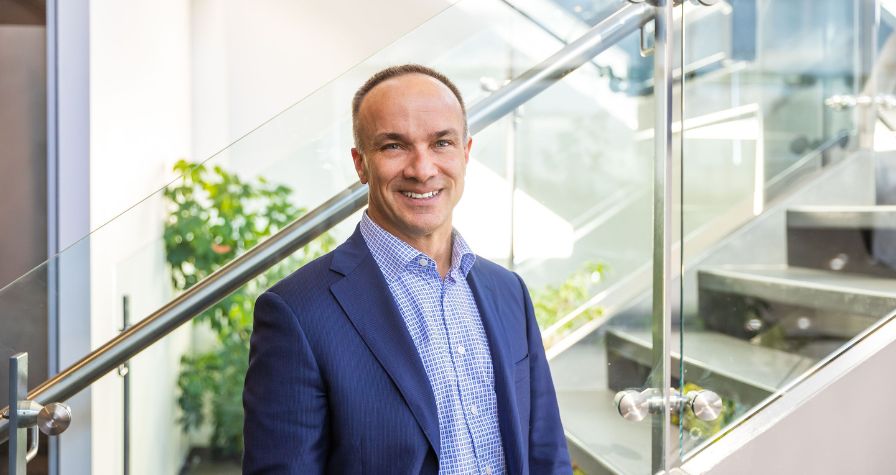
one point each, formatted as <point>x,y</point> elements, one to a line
<point>760,147</point>
<point>793,286</point>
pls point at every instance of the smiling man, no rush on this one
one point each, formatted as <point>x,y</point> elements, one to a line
<point>402,352</point>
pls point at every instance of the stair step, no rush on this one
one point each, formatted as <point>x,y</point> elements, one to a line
<point>789,307</point>
<point>854,239</point>
<point>842,217</point>
<point>807,288</point>
<point>733,368</point>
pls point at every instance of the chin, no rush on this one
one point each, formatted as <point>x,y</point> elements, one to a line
<point>419,230</point>
<point>422,228</point>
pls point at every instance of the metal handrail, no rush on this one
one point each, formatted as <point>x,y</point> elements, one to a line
<point>604,71</point>
<point>603,35</point>
<point>301,232</point>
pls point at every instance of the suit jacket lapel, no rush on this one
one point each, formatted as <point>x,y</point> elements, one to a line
<point>508,417</point>
<point>366,299</point>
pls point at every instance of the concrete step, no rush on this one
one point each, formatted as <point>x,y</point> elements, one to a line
<point>798,303</point>
<point>735,369</point>
<point>853,239</point>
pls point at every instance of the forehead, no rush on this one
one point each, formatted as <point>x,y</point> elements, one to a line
<point>409,100</point>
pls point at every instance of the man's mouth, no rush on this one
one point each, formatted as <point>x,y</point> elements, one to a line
<point>421,196</point>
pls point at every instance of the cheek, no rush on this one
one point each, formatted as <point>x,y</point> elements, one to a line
<point>459,174</point>
<point>383,174</point>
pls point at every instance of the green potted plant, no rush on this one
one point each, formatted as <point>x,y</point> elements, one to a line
<point>213,217</point>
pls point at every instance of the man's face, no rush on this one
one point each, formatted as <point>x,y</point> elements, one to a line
<point>414,156</point>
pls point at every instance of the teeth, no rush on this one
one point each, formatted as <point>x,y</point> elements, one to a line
<point>420,196</point>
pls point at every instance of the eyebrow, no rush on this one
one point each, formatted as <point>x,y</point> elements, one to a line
<point>386,136</point>
<point>444,133</point>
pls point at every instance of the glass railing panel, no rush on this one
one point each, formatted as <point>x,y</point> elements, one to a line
<point>553,17</point>
<point>627,70</point>
<point>795,81</point>
<point>218,209</point>
<point>584,152</point>
<point>583,181</point>
<point>579,230</point>
<point>143,428</point>
<point>26,330</point>
<point>755,128</point>
<point>192,379</point>
<point>27,304</point>
<point>305,148</point>
<point>764,301</point>
<point>590,12</point>
<point>884,79</point>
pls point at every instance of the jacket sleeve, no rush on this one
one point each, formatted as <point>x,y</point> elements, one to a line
<point>548,453</point>
<point>285,426</point>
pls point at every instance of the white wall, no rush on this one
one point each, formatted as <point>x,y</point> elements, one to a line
<point>140,124</point>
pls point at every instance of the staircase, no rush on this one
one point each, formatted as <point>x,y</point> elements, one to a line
<point>777,298</point>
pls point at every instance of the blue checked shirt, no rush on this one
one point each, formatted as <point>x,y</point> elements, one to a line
<point>447,331</point>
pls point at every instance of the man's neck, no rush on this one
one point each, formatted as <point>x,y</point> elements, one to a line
<point>438,245</point>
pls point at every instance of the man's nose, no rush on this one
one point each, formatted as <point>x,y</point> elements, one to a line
<point>421,166</point>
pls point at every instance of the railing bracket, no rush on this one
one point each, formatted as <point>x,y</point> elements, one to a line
<point>28,417</point>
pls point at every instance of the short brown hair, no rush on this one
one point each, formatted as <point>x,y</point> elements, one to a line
<point>394,72</point>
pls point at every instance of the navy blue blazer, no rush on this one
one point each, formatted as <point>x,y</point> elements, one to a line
<point>335,384</point>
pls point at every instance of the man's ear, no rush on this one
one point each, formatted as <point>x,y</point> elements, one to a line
<point>467,149</point>
<point>358,159</point>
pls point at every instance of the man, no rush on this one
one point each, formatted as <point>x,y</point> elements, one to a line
<point>401,352</point>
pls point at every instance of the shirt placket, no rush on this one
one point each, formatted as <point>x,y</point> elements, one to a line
<point>461,354</point>
<point>451,406</point>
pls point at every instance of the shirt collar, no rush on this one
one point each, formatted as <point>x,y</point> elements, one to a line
<point>394,256</point>
<point>462,257</point>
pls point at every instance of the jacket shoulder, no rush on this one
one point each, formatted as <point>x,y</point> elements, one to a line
<point>502,277</point>
<point>308,280</point>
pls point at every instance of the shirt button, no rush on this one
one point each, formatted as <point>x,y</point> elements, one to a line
<point>473,409</point>
<point>461,350</point>
<point>422,262</point>
<point>488,471</point>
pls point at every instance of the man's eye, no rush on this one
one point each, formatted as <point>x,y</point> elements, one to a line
<point>391,146</point>
<point>443,143</point>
